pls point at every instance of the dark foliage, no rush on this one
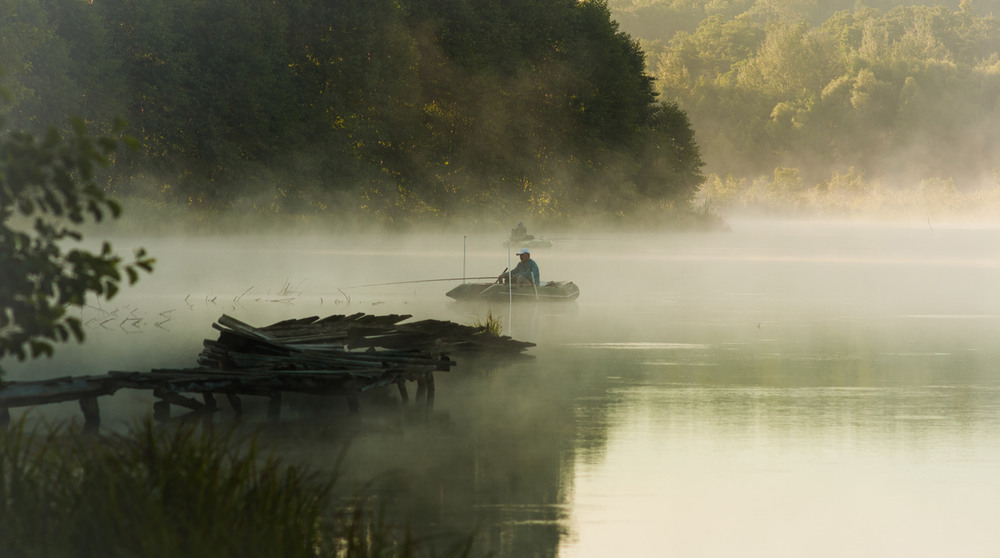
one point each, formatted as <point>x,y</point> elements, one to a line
<point>47,190</point>
<point>404,110</point>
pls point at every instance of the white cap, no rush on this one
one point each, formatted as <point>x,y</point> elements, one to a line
<point>523,251</point>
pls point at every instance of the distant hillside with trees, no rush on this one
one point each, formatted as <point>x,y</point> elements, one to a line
<point>396,111</point>
<point>835,106</point>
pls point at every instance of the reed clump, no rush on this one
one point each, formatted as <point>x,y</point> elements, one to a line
<point>168,492</point>
<point>491,324</point>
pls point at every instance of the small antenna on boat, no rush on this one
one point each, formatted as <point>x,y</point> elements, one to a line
<point>464,237</point>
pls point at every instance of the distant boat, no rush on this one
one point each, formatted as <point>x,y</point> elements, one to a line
<point>552,291</point>
<point>529,243</point>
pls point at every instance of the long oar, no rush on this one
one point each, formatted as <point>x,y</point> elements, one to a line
<point>497,280</point>
<point>417,281</point>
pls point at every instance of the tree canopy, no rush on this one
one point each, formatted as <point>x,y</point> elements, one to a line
<point>399,109</point>
<point>898,95</point>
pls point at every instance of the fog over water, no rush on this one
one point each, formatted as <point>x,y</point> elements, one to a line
<point>783,389</point>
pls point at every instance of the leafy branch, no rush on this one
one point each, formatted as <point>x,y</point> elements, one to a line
<point>47,191</point>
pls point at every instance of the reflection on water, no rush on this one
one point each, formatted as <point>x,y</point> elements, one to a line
<point>781,390</point>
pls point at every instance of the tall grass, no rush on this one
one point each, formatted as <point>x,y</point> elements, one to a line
<point>492,323</point>
<point>170,492</point>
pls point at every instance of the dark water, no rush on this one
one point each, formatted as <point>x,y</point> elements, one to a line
<point>780,390</point>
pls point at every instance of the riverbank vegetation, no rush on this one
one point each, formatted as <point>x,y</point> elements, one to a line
<point>625,112</point>
<point>179,491</point>
<point>388,112</point>
<point>881,108</point>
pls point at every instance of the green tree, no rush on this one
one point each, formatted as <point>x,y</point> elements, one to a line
<point>670,158</point>
<point>904,95</point>
<point>520,92</point>
<point>206,88</point>
<point>47,190</point>
<point>402,109</point>
<point>23,31</point>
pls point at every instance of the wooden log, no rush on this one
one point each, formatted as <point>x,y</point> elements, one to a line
<point>401,384</point>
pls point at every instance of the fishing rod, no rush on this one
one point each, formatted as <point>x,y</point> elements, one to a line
<point>417,281</point>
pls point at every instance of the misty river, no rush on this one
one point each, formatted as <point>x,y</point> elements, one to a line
<point>783,389</point>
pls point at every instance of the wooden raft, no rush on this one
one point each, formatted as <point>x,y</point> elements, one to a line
<point>342,355</point>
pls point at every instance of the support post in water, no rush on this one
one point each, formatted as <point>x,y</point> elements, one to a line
<point>430,391</point>
<point>425,389</point>
<point>91,413</point>
<point>274,407</point>
<point>421,390</point>
<point>235,403</point>
<point>161,410</point>
<point>210,403</point>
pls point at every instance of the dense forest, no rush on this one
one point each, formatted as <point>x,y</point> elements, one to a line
<point>420,110</point>
<point>840,106</point>
<point>408,110</point>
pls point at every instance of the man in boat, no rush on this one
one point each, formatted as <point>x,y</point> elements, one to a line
<point>526,271</point>
<point>520,233</point>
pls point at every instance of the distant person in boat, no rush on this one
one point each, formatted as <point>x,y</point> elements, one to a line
<point>520,233</point>
<point>526,271</point>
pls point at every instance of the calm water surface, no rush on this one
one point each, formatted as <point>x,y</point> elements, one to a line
<point>778,390</point>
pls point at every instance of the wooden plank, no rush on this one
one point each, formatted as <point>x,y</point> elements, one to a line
<point>175,398</point>
<point>21,394</point>
<point>293,322</point>
<point>241,327</point>
<point>304,355</point>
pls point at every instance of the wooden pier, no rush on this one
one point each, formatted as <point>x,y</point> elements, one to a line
<point>338,356</point>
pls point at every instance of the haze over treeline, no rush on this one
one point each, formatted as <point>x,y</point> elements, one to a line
<point>394,110</point>
<point>841,105</point>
